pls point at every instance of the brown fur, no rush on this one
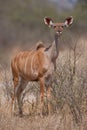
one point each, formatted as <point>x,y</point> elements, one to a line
<point>29,66</point>
<point>23,64</point>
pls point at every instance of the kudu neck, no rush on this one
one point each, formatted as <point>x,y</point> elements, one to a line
<point>56,47</point>
<point>56,41</point>
<point>53,50</point>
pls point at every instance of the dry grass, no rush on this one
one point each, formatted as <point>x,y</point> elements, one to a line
<point>61,120</point>
<point>69,97</point>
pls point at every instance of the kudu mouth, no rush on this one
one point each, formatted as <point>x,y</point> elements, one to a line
<point>58,33</point>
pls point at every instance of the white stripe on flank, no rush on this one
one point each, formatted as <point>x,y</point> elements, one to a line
<point>25,67</point>
<point>32,71</point>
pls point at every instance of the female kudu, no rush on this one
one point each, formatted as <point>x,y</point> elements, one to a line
<point>37,65</point>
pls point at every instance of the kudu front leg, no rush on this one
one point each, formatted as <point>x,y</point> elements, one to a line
<point>48,89</point>
<point>41,95</point>
<point>48,83</point>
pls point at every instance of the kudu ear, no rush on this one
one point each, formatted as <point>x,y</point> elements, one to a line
<point>68,21</point>
<point>48,21</point>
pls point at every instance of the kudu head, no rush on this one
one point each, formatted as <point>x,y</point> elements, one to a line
<point>58,27</point>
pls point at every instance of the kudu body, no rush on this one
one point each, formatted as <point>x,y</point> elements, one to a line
<point>37,65</point>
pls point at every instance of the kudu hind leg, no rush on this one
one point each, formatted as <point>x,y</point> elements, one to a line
<point>19,95</point>
<point>16,84</point>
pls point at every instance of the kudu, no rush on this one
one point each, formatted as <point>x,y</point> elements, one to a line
<point>37,65</point>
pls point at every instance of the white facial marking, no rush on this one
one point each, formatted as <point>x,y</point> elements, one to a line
<point>51,23</point>
<point>66,23</point>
